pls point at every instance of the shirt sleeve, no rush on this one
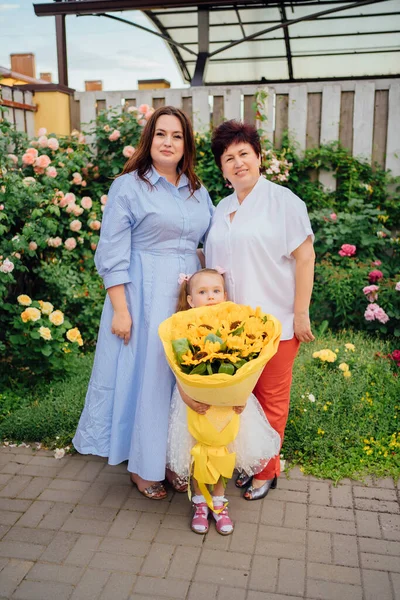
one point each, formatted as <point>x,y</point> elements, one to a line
<point>112,258</point>
<point>298,226</point>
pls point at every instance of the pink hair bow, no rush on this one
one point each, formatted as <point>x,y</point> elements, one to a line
<point>183,277</point>
<point>219,269</point>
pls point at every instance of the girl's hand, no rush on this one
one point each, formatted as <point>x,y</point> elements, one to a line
<point>238,409</point>
<point>198,407</point>
<point>302,328</point>
<point>121,325</point>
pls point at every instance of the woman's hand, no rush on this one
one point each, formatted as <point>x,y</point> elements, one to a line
<point>239,409</point>
<point>302,328</point>
<point>121,325</point>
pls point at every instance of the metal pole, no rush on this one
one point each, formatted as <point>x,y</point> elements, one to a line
<point>61,39</point>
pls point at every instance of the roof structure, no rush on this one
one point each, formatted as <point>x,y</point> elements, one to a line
<point>224,42</point>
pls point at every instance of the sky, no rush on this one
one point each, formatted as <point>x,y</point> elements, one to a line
<point>98,48</point>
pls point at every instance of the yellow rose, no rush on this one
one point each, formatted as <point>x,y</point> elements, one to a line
<point>74,335</point>
<point>46,307</point>
<point>350,347</point>
<point>24,300</point>
<point>347,374</point>
<point>344,367</point>
<point>45,333</point>
<point>31,314</point>
<point>56,317</point>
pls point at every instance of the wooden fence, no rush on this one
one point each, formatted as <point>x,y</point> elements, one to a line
<point>20,108</point>
<point>363,115</point>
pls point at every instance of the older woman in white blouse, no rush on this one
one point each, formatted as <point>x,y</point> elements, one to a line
<point>261,235</point>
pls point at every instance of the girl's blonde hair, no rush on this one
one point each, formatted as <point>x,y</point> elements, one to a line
<point>185,289</point>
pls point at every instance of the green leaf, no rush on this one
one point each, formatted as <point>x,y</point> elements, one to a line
<point>226,368</point>
<point>199,369</point>
<point>47,350</point>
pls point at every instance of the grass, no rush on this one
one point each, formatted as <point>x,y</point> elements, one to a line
<point>337,427</point>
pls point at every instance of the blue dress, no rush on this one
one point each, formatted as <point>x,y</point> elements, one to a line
<point>148,236</point>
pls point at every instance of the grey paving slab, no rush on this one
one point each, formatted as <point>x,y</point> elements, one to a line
<point>75,529</point>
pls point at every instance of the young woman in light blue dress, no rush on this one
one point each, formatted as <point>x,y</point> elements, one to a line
<point>156,214</point>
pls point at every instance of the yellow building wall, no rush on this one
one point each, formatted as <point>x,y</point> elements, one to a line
<point>10,81</point>
<point>53,112</point>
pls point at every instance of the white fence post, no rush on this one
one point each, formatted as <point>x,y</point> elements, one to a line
<point>173,98</point>
<point>330,119</point>
<point>113,101</point>
<point>88,111</point>
<point>393,130</point>
<point>201,109</point>
<point>18,96</point>
<point>232,98</point>
<point>267,126</point>
<point>7,95</point>
<point>363,120</point>
<point>29,116</point>
<point>297,120</point>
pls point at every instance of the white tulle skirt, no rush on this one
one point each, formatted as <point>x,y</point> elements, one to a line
<point>254,445</point>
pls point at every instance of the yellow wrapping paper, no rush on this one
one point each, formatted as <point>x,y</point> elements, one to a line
<point>210,456</point>
<point>218,389</point>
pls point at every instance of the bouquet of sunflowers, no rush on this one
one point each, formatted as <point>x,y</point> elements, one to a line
<point>222,347</point>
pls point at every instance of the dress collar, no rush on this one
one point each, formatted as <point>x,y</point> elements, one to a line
<point>154,176</point>
<point>234,203</point>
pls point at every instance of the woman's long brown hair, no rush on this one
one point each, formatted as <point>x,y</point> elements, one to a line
<point>141,160</point>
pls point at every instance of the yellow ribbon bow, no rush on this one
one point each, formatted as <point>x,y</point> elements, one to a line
<point>211,458</point>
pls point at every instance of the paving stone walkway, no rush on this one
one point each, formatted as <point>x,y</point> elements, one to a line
<point>75,529</point>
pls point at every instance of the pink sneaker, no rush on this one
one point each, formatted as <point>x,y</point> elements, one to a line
<point>223,522</point>
<point>200,518</point>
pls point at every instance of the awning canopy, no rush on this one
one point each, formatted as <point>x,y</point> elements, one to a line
<point>223,42</point>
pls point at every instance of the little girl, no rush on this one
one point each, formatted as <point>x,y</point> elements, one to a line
<point>256,441</point>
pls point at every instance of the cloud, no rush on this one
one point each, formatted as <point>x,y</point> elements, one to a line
<point>9,7</point>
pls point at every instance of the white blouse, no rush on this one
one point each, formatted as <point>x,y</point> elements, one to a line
<point>255,248</point>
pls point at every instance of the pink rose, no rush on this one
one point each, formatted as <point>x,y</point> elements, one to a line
<point>86,203</point>
<point>28,159</point>
<point>397,286</point>
<point>103,199</point>
<point>142,122</point>
<point>70,243</point>
<point>63,203</point>
<point>143,108</point>
<point>77,210</point>
<point>77,178</point>
<point>53,144</point>
<point>42,141</point>
<point>375,276</point>
<point>70,198</point>
<point>333,216</point>
<point>377,263</point>
<point>81,139</point>
<point>128,151</point>
<point>75,225</point>
<point>54,242</point>
<point>42,161</point>
<point>70,207</point>
<point>347,250</point>
<point>7,266</point>
<point>32,246</point>
<point>93,246</point>
<point>148,113</point>
<point>51,172</point>
<point>33,143</point>
<point>69,150</point>
<point>29,180</point>
<point>32,151</point>
<point>95,225</point>
<point>375,313</point>
<point>114,136</point>
<point>1,206</point>
<point>371,291</point>
<point>13,158</point>
<point>106,128</point>
<point>42,131</point>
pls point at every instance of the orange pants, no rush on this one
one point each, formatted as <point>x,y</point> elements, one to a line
<point>273,393</point>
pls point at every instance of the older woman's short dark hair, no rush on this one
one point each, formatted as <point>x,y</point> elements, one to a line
<point>233,132</point>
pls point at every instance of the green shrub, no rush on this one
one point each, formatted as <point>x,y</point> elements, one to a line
<point>345,427</point>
